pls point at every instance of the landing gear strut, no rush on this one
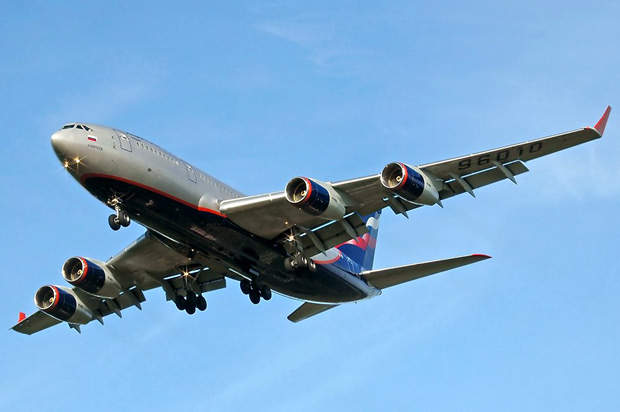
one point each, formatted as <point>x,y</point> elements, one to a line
<point>255,291</point>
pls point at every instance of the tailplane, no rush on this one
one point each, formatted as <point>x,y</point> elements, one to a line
<point>384,278</point>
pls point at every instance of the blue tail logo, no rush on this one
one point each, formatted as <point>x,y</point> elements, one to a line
<point>356,255</point>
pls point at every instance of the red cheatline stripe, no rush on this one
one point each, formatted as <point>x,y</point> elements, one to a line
<point>92,139</point>
<point>87,176</point>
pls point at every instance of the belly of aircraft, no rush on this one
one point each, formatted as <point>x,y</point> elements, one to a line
<point>217,236</point>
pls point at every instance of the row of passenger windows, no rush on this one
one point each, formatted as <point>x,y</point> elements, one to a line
<point>199,176</point>
<point>140,143</point>
<point>77,126</point>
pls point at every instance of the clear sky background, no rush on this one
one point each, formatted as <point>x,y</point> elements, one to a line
<point>257,93</point>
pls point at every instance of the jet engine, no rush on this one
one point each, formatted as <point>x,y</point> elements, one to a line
<point>409,183</point>
<point>314,198</point>
<point>63,304</point>
<point>94,278</point>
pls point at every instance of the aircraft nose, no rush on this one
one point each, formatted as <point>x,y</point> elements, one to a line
<point>61,142</point>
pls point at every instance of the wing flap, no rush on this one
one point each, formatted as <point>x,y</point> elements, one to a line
<point>476,180</point>
<point>307,310</point>
<point>330,235</point>
<point>385,278</point>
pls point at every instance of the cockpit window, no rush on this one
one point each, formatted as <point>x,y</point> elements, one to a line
<point>68,126</point>
<point>79,126</point>
<point>87,128</point>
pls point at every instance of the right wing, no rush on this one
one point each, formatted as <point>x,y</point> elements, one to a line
<point>271,215</point>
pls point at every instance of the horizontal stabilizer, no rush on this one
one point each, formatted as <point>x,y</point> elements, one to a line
<point>307,310</point>
<point>384,278</point>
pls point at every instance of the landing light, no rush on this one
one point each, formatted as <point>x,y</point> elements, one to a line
<point>77,160</point>
<point>66,164</point>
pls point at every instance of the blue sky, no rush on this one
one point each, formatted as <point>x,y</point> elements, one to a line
<point>256,93</point>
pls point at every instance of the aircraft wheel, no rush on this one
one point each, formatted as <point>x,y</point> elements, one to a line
<point>265,292</point>
<point>254,296</point>
<point>123,218</point>
<point>113,222</point>
<point>190,309</point>
<point>191,298</point>
<point>201,303</point>
<point>180,302</point>
<point>245,286</point>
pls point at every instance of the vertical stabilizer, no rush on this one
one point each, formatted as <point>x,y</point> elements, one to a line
<point>361,250</point>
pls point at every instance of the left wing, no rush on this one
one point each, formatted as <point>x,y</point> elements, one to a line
<point>98,306</point>
<point>272,215</point>
<point>151,261</point>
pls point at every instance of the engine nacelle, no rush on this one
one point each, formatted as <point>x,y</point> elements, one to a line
<point>409,183</point>
<point>318,199</point>
<point>63,304</point>
<point>94,278</point>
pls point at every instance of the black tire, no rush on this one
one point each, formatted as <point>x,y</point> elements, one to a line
<point>190,309</point>
<point>180,302</point>
<point>113,222</point>
<point>201,303</point>
<point>254,296</point>
<point>123,218</point>
<point>191,298</point>
<point>245,286</point>
<point>265,292</point>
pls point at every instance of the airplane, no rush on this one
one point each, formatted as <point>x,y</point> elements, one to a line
<point>314,241</point>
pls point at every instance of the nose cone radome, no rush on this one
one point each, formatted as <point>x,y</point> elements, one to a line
<point>61,143</point>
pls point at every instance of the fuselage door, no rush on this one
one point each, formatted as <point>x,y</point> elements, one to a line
<point>191,173</point>
<point>125,141</point>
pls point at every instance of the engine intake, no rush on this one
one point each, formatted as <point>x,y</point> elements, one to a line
<point>314,198</point>
<point>62,304</point>
<point>91,277</point>
<point>409,183</point>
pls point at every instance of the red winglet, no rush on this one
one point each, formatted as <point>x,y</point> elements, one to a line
<point>600,126</point>
<point>481,255</point>
<point>22,316</point>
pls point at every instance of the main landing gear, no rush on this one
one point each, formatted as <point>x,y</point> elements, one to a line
<point>191,302</point>
<point>255,291</point>
<point>121,218</point>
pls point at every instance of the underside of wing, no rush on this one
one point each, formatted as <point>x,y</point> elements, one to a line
<point>156,261</point>
<point>35,323</point>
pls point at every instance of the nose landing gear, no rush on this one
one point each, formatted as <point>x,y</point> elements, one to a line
<point>255,291</point>
<point>121,218</point>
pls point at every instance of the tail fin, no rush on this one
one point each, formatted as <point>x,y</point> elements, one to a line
<point>361,250</point>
